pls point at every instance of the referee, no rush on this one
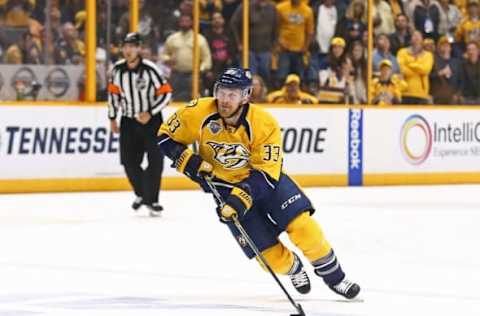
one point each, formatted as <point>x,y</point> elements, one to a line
<point>140,92</point>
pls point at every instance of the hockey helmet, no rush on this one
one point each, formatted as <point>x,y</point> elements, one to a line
<point>132,38</point>
<point>235,78</point>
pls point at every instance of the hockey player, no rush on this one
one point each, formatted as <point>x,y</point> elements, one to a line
<point>240,146</point>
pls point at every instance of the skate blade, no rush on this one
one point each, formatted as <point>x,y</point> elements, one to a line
<point>155,214</point>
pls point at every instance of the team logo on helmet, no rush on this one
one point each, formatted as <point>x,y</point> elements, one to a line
<point>231,156</point>
<point>232,72</point>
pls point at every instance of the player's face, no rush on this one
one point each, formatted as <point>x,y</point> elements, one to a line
<point>228,101</point>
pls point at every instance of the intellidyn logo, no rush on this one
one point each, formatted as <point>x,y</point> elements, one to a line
<point>416,139</point>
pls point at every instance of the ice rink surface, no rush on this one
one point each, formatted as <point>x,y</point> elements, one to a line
<point>413,250</point>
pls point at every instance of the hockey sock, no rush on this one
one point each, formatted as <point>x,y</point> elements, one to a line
<point>329,269</point>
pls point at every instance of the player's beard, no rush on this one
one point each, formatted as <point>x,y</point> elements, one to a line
<point>232,115</point>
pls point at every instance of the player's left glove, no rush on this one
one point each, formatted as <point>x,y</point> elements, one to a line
<point>193,165</point>
<point>237,204</point>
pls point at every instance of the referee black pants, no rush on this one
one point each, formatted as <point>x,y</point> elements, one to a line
<point>137,139</point>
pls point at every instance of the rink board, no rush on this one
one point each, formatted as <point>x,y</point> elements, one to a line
<point>50,147</point>
<point>411,145</point>
<point>55,147</point>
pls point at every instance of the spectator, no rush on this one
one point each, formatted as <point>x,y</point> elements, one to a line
<point>146,25</point>
<point>101,30</point>
<point>336,55</point>
<point>359,64</point>
<point>26,51</point>
<point>462,6</point>
<point>381,52</point>
<point>386,89</point>
<point>259,90</point>
<point>469,28</point>
<point>170,13</point>
<point>429,45</point>
<point>229,7</point>
<point>401,37</point>
<point>471,75</point>
<point>55,24</point>
<point>18,12</point>
<point>291,93</point>
<point>69,49</point>
<point>221,48</point>
<point>1,51</point>
<point>178,55</point>
<point>207,10</point>
<point>146,53</point>
<point>70,8</point>
<point>263,36</point>
<point>101,60</point>
<point>296,28</point>
<point>302,1</point>
<point>80,19</point>
<point>383,18</point>
<point>446,75</point>
<point>450,16</point>
<point>365,38</point>
<point>337,86</point>
<point>426,17</point>
<point>341,6</point>
<point>415,66</point>
<point>396,6</point>
<point>326,20</point>
<point>352,26</point>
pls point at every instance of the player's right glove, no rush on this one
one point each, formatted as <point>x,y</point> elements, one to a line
<point>237,204</point>
<point>193,165</point>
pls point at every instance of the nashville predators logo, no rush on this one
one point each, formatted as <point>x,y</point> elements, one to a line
<point>231,156</point>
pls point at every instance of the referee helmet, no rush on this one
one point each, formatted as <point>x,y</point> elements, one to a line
<point>132,38</point>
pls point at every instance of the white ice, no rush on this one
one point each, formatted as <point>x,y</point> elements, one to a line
<point>413,250</point>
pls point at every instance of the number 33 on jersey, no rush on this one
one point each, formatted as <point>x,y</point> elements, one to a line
<point>232,150</point>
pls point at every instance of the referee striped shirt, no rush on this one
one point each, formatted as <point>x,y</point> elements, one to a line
<point>132,91</point>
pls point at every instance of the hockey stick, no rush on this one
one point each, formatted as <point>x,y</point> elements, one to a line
<point>250,242</point>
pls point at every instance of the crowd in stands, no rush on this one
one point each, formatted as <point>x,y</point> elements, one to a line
<point>300,51</point>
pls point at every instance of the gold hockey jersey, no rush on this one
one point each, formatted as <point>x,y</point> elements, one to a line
<point>232,150</point>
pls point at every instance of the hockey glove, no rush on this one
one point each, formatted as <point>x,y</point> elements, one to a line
<point>237,204</point>
<point>193,166</point>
